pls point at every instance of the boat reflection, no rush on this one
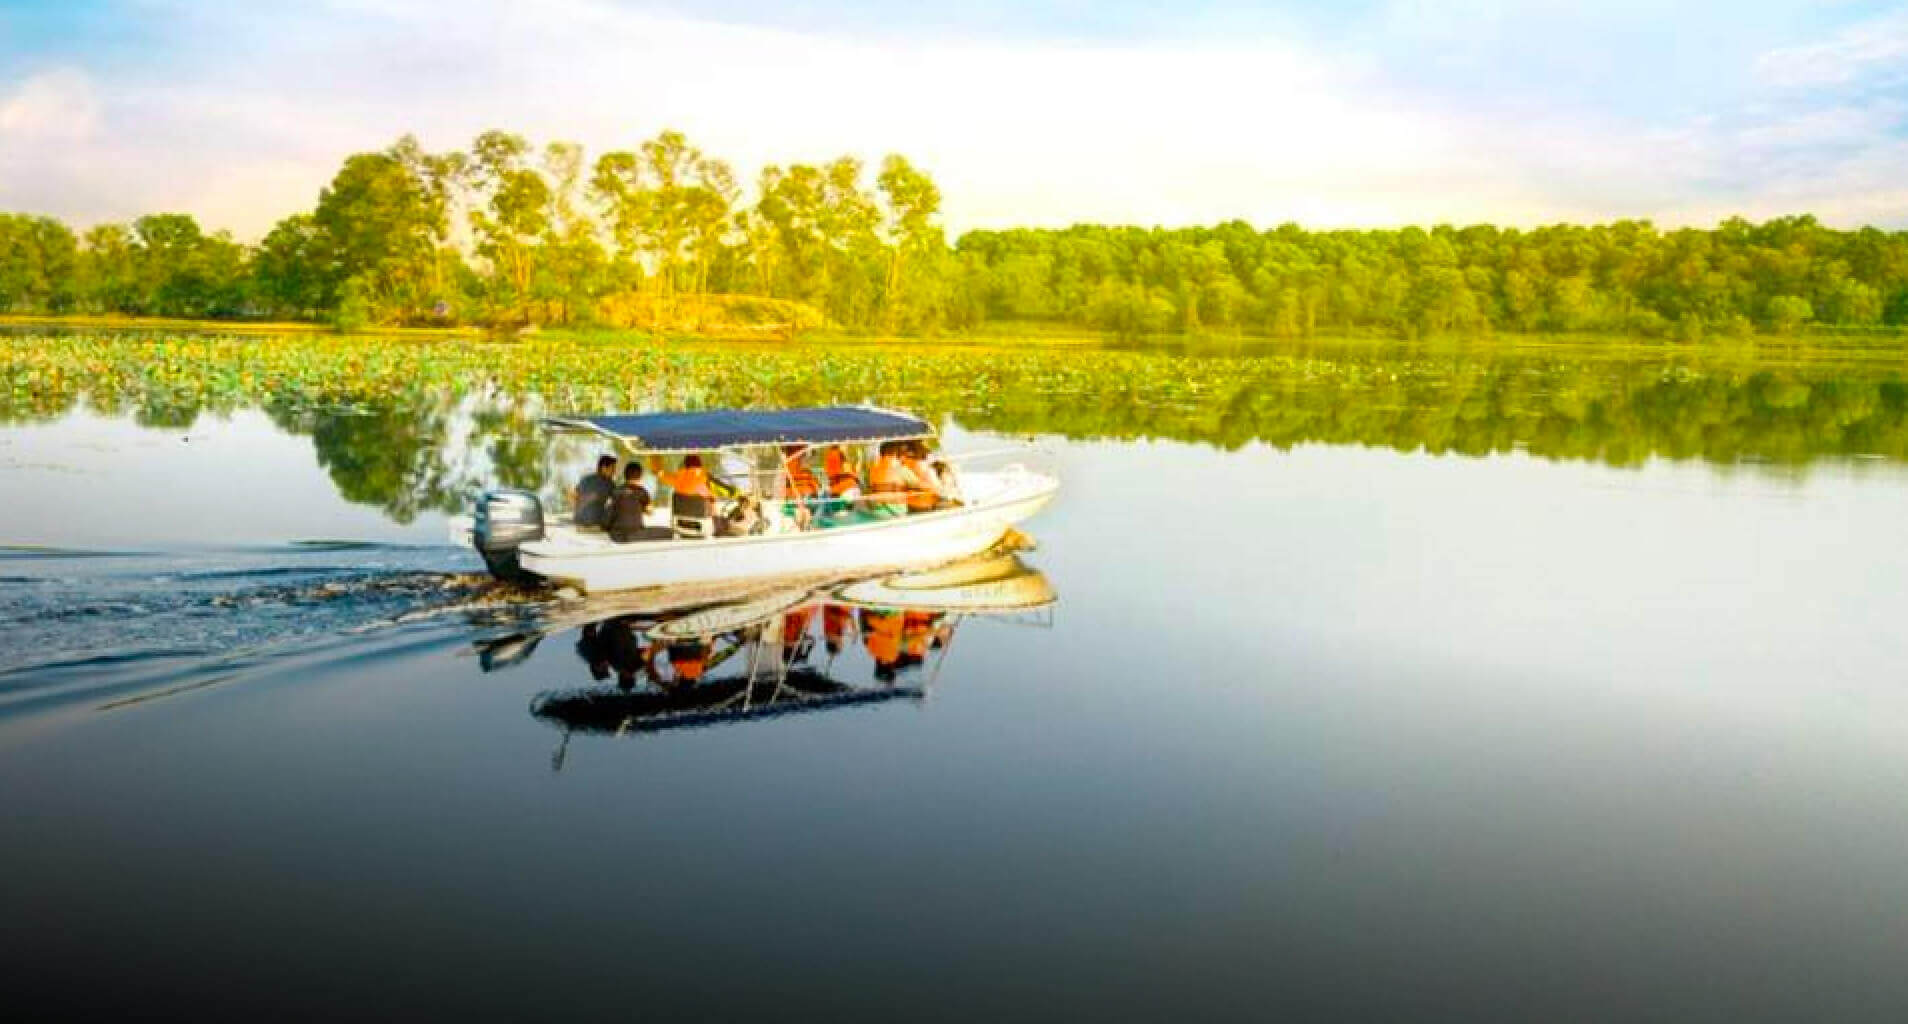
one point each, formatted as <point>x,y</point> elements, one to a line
<point>788,652</point>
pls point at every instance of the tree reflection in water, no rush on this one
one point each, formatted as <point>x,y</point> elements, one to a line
<point>412,429</point>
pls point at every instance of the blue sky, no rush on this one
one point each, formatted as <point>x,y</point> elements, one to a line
<point>1369,113</point>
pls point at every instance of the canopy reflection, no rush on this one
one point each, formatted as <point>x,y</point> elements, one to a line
<point>776,654</point>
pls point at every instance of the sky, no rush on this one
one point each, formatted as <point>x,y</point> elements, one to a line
<point>1032,113</point>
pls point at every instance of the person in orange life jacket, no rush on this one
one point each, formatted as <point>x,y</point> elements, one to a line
<point>925,494</point>
<point>798,478</point>
<point>844,487</point>
<point>891,482</point>
<point>691,480</point>
<point>842,481</point>
<point>799,485</point>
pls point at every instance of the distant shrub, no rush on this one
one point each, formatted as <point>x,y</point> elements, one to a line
<point>1689,327</point>
<point>1648,323</point>
<point>1787,313</point>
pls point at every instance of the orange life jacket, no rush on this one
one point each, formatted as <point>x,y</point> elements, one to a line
<point>882,633</point>
<point>801,479</point>
<point>692,481</point>
<point>840,481</point>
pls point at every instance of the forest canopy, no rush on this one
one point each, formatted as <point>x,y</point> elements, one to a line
<point>663,236</point>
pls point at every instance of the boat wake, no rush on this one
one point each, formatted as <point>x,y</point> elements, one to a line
<point>95,628</point>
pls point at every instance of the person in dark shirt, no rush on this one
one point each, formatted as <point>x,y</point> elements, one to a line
<point>592,494</point>
<point>628,506</point>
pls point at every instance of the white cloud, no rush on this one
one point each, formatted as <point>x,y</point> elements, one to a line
<point>1016,132</point>
<point>1877,45</point>
<point>60,105</point>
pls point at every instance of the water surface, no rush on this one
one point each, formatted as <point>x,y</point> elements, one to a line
<point>1368,702</point>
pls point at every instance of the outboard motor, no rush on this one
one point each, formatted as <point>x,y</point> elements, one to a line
<point>505,520</point>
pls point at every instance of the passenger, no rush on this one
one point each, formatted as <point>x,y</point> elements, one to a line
<point>799,479</point>
<point>691,480</point>
<point>629,506</point>
<point>844,487</point>
<point>800,486</point>
<point>890,481</point>
<point>590,498</point>
<point>924,493</point>
<point>945,481</point>
<point>841,478</point>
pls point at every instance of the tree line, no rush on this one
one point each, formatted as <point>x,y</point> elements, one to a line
<point>663,235</point>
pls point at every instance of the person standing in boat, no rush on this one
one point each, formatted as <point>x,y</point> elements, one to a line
<point>590,498</point>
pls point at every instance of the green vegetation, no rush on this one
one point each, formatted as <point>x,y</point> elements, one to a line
<point>661,238</point>
<point>415,424</point>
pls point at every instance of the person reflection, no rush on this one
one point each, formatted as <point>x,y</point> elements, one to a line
<point>795,639</point>
<point>589,647</point>
<point>615,645</point>
<point>836,618</point>
<point>881,634</point>
<point>688,662</point>
<point>918,634</point>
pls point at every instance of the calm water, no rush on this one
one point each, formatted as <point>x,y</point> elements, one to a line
<point>1322,728</point>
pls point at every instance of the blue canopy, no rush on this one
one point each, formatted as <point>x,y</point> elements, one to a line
<point>730,428</point>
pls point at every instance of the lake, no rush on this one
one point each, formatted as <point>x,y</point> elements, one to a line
<point>1381,682</point>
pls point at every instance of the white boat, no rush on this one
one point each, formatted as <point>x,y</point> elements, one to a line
<point>517,540</point>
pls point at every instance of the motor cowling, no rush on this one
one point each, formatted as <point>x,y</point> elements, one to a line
<point>505,520</point>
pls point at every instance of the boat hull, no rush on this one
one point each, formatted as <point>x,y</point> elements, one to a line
<point>592,564</point>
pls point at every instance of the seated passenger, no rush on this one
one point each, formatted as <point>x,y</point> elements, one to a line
<point>628,506</point>
<point>590,498</point>
<point>691,481</point>
<point>800,487</point>
<point>924,491</point>
<point>797,477</point>
<point>890,482</point>
<point>842,482</point>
